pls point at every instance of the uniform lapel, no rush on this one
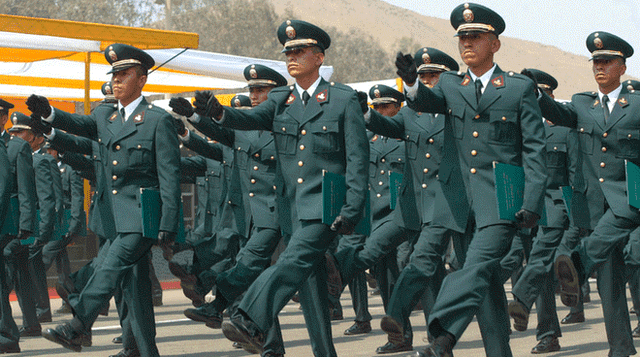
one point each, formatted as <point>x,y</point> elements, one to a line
<point>318,99</point>
<point>389,146</point>
<point>468,91</point>
<point>295,108</point>
<point>619,109</point>
<point>130,126</point>
<point>261,141</point>
<point>493,91</point>
<point>596,112</point>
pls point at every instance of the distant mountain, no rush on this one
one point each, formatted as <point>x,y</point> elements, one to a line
<point>394,27</point>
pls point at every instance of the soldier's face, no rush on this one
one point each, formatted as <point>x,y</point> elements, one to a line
<point>3,120</point>
<point>429,79</point>
<point>477,49</point>
<point>387,109</point>
<point>607,72</point>
<point>302,62</point>
<point>127,85</point>
<point>25,135</point>
<point>258,94</point>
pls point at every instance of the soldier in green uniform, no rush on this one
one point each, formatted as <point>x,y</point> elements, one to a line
<point>9,331</point>
<point>493,116</point>
<point>140,150</point>
<point>47,179</point>
<point>607,123</point>
<point>316,126</point>
<point>536,284</point>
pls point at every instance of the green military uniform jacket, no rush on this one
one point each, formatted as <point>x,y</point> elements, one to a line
<point>5,182</point>
<point>141,152</point>
<point>604,147</point>
<point>23,182</point>
<point>73,199</point>
<point>326,134</point>
<point>45,189</point>
<point>505,126</point>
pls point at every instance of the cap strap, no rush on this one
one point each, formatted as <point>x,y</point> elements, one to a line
<point>606,53</point>
<point>433,66</point>
<point>475,27</point>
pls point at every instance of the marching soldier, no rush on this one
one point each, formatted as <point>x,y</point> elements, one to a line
<point>607,122</point>
<point>493,117</point>
<point>140,150</point>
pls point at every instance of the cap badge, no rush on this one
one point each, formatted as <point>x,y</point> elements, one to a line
<point>253,73</point>
<point>291,32</point>
<point>467,14</point>
<point>236,102</point>
<point>598,43</point>
<point>376,93</point>
<point>426,58</point>
<point>14,119</point>
<point>112,54</point>
<point>108,89</point>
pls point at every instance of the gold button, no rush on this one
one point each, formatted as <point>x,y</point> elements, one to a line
<point>301,147</point>
<point>504,118</point>
<point>253,180</point>
<point>425,170</point>
<point>582,130</point>
<point>303,132</point>
<point>477,116</point>
<point>114,192</point>
<point>95,156</point>
<point>272,157</point>
<point>602,164</point>
<point>378,195</point>
<point>604,149</point>
<point>99,140</point>
<point>229,202</point>
<point>284,129</point>
<point>251,194</point>
<point>257,155</point>
<point>255,168</point>
<point>300,163</point>
<point>117,147</point>
<point>605,135</point>
<point>139,146</point>
<point>274,187</point>
<point>473,170</point>
<point>239,148</point>
<point>380,183</point>
<point>115,162</point>
<point>555,148</point>
<point>381,172</point>
<point>629,136</point>
<point>114,177</point>
<point>431,141</point>
<point>601,179</point>
<point>424,185</point>
<point>475,134</point>
<point>324,128</point>
<point>427,155</point>
<point>300,180</point>
<point>474,153</point>
<point>383,160</point>
<point>399,159</point>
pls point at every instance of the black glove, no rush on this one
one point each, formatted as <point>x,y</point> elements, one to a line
<point>23,234</point>
<point>528,73</point>
<point>166,238</point>
<point>179,125</point>
<point>39,105</point>
<point>407,69</point>
<point>181,106</point>
<point>342,225</point>
<point>207,105</point>
<point>363,99</point>
<point>526,219</point>
<point>39,126</point>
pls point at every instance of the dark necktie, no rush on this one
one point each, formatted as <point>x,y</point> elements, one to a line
<point>305,98</point>
<point>605,107</point>
<point>478,90</point>
<point>122,114</point>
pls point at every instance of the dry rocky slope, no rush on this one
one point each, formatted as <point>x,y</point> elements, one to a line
<point>388,24</point>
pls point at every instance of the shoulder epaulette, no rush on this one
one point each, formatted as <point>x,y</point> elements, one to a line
<point>590,94</point>
<point>340,86</point>
<point>512,74</point>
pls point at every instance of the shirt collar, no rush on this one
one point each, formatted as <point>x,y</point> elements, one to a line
<point>613,96</point>
<point>485,78</point>
<point>131,107</point>
<point>311,90</point>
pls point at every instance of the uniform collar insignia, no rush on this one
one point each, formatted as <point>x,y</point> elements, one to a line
<point>623,102</point>
<point>322,96</point>
<point>596,102</point>
<point>374,138</point>
<point>466,80</point>
<point>113,117</point>
<point>498,81</point>
<point>292,98</point>
<point>139,118</point>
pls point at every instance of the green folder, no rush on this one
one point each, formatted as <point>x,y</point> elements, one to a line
<point>334,191</point>
<point>567,196</point>
<point>633,183</point>
<point>61,228</point>
<point>151,209</point>
<point>12,219</point>
<point>395,181</point>
<point>509,182</point>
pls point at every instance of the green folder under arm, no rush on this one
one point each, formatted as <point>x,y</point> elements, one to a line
<point>334,195</point>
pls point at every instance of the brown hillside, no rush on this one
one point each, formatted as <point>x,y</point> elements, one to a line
<point>389,24</point>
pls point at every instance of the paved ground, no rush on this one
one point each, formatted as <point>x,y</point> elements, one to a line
<point>178,336</point>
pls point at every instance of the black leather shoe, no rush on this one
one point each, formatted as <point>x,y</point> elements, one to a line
<point>10,347</point>
<point>335,314</point>
<point>127,352</point>
<point>520,315</point>
<point>188,283</point>
<point>441,347</point>
<point>568,279</point>
<point>117,339</point>
<point>30,331</point>
<point>66,336</point>
<point>210,318</point>
<point>44,318</point>
<point>236,345</point>
<point>573,318</point>
<point>636,331</point>
<point>546,345</point>
<point>358,328</point>
<point>238,330</point>
<point>64,309</point>
<point>391,347</point>
<point>393,328</point>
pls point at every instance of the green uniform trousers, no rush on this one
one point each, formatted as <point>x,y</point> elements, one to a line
<point>16,256</point>
<point>8,329</point>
